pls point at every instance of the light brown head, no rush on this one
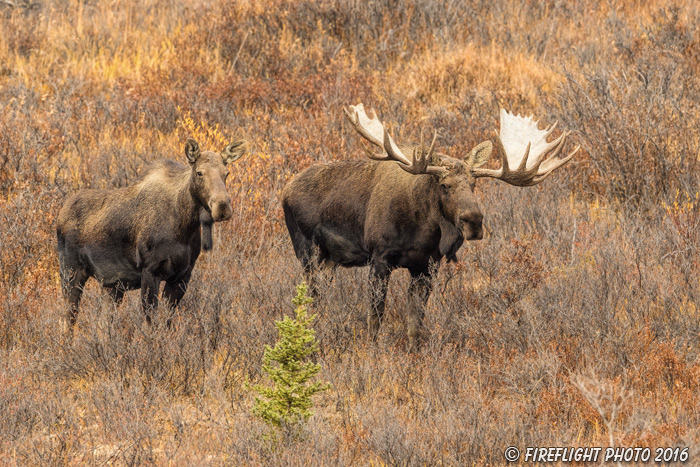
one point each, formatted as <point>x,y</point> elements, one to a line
<point>209,173</point>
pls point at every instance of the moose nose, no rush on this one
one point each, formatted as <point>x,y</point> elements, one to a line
<point>472,220</point>
<point>221,210</point>
<point>225,210</point>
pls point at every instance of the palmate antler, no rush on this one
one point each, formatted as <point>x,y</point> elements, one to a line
<point>373,131</point>
<point>523,146</point>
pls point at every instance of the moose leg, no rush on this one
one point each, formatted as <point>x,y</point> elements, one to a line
<point>116,292</point>
<point>304,249</point>
<point>418,293</point>
<point>312,272</point>
<point>72,283</point>
<point>174,291</point>
<point>379,286</point>
<point>149,293</point>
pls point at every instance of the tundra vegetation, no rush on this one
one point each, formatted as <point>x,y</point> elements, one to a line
<point>574,321</point>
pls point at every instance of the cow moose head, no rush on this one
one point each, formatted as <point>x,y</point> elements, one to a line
<point>209,176</point>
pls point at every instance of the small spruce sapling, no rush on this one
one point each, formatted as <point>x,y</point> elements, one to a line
<point>288,401</point>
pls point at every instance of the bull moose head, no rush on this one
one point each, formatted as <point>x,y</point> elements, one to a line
<point>520,144</point>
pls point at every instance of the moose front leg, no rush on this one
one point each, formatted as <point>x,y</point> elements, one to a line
<point>318,273</point>
<point>174,291</point>
<point>418,293</point>
<point>172,294</point>
<point>378,289</point>
<point>311,272</point>
<point>149,293</point>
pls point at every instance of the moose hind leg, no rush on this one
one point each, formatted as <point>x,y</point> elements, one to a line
<point>316,273</point>
<point>116,292</point>
<point>72,283</point>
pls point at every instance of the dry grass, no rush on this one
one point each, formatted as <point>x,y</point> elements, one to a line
<point>575,322</point>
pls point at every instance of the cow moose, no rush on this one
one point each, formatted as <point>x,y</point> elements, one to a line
<point>409,213</point>
<point>147,233</point>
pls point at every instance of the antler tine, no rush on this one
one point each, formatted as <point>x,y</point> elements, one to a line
<point>431,150</point>
<point>422,158</point>
<point>396,155</point>
<point>495,173</point>
<point>540,157</point>
<point>420,162</point>
<point>550,129</point>
<point>555,145</point>
<point>502,152</point>
<point>552,164</point>
<point>541,161</point>
<point>374,156</point>
<point>371,129</point>
<point>353,116</point>
<point>523,162</point>
<point>558,147</point>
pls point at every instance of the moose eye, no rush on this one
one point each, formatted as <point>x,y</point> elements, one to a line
<point>199,173</point>
<point>443,187</point>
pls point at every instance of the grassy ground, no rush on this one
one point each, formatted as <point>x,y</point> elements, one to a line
<point>575,322</point>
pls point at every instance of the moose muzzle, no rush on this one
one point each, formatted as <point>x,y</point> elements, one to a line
<point>470,224</point>
<point>220,209</point>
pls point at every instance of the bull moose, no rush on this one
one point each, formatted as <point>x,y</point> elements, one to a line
<point>408,213</point>
<point>138,236</point>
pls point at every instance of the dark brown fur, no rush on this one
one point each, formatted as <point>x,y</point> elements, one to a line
<point>357,213</point>
<point>147,233</point>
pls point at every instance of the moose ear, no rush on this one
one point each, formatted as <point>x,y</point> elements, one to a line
<point>234,151</point>
<point>479,155</point>
<point>191,150</point>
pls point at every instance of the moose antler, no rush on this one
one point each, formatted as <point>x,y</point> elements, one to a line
<point>522,145</point>
<point>373,131</point>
